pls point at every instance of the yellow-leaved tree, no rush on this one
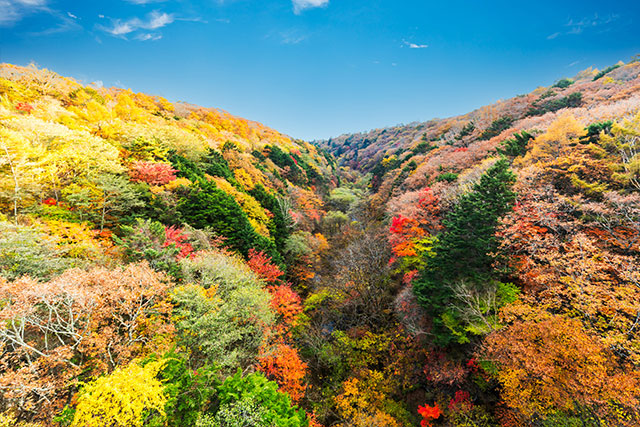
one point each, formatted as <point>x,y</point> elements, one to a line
<point>624,143</point>
<point>121,398</point>
<point>558,141</point>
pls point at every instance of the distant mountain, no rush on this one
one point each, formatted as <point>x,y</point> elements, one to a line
<point>591,94</point>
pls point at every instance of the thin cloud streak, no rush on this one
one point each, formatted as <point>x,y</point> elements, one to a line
<point>13,11</point>
<point>300,5</point>
<point>414,45</point>
<point>155,20</point>
<point>577,27</point>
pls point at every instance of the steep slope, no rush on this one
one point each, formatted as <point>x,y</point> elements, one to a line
<point>134,229</point>
<point>514,230</point>
<point>76,153</point>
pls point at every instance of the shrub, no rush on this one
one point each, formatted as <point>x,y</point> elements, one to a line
<point>189,392</point>
<point>447,176</point>
<point>563,83</point>
<point>241,413</point>
<point>283,364</point>
<point>571,101</point>
<point>422,147</point>
<point>496,127</point>
<point>466,130</point>
<point>162,246</point>
<point>142,148</point>
<point>342,198</point>
<point>606,71</point>
<point>9,420</point>
<point>516,146</point>
<point>334,220</point>
<point>152,173</point>
<point>297,245</point>
<point>594,130</point>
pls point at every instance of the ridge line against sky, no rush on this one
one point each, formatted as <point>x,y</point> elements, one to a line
<point>320,68</point>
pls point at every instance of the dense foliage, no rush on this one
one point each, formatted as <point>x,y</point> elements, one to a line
<point>199,269</point>
<point>137,236</point>
<point>514,238</point>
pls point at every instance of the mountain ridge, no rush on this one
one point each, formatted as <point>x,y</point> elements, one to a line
<point>403,136</point>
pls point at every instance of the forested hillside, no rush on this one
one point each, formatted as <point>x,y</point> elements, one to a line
<point>515,232</point>
<point>164,264</point>
<point>142,250</point>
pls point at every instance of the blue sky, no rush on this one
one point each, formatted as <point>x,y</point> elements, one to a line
<point>319,68</point>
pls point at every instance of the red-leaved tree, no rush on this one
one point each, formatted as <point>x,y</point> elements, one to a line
<point>152,173</point>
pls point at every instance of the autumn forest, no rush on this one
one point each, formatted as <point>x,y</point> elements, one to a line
<point>165,264</point>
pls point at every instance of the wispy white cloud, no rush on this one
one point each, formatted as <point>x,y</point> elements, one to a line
<point>414,45</point>
<point>158,20</point>
<point>12,11</point>
<point>288,36</point>
<point>579,26</point>
<point>148,36</point>
<point>121,28</point>
<point>300,5</point>
<point>64,24</point>
<point>153,21</point>
<point>292,37</point>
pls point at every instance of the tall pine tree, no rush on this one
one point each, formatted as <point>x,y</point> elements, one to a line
<point>466,250</point>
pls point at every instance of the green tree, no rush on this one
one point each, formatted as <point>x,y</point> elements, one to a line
<point>516,146</point>
<point>275,407</point>
<point>563,83</point>
<point>25,251</point>
<point>117,197</point>
<point>206,206</point>
<point>222,318</point>
<point>281,224</point>
<point>209,207</point>
<point>190,392</point>
<point>335,220</point>
<point>467,248</point>
<point>342,198</point>
<point>496,127</point>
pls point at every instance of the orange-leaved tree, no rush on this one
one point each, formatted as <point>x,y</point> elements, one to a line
<point>549,363</point>
<point>82,321</point>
